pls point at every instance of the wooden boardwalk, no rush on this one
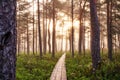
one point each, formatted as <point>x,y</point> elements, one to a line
<point>59,72</point>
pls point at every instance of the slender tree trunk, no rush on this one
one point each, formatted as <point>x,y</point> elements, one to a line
<point>39,30</point>
<point>102,45</point>
<point>24,46</point>
<point>70,41</point>
<point>84,37</point>
<point>46,23</point>
<point>115,43</point>
<point>49,37</point>
<point>18,32</point>
<point>119,41</point>
<point>18,43</point>
<point>36,38</point>
<point>81,29</point>
<point>44,31</point>
<point>95,36</point>
<point>28,51</point>
<point>72,29</point>
<point>53,36</point>
<point>56,47</point>
<point>33,29</point>
<point>109,31</point>
<point>7,39</point>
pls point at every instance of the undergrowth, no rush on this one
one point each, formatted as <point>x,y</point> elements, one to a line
<point>80,68</point>
<point>30,67</point>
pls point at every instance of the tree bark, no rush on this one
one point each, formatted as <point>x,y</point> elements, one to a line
<point>18,43</point>
<point>46,23</point>
<point>109,31</point>
<point>18,33</point>
<point>39,30</point>
<point>84,40</point>
<point>119,41</point>
<point>95,36</point>
<point>49,37</point>
<point>53,36</point>
<point>7,39</point>
<point>72,30</point>
<point>44,31</point>
<point>28,51</point>
<point>36,38</point>
<point>24,46</point>
<point>33,29</point>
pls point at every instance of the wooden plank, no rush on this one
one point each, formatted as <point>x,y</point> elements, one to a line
<point>59,72</point>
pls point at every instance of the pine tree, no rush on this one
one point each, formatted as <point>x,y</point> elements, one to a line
<point>95,36</point>
<point>7,39</point>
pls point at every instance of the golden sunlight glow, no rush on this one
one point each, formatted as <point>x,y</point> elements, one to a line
<point>63,26</point>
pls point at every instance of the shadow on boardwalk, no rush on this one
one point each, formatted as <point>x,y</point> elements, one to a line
<point>59,72</point>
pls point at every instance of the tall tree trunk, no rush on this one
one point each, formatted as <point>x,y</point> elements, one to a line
<point>49,37</point>
<point>70,41</point>
<point>39,30</point>
<point>95,36</point>
<point>72,29</point>
<point>115,43</point>
<point>18,43</point>
<point>44,31</point>
<point>24,46</point>
<point>18,32</point>
<point>102,43</point>
<point>28,51</point>
<point>33,29</point>
<point>119,41</point>
<point>46,23</point>
<point>53,36</point>
<point>81,29</point>
<point>84,37</point>
<point>109,31</point>
<point>56,48</point>
<point>36,38</point>
<point>7,39</point>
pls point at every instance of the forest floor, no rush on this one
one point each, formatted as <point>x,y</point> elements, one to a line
<point>80,68</point>
<point>30,67</point>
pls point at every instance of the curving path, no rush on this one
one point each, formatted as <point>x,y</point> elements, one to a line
<point>59,72</point>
